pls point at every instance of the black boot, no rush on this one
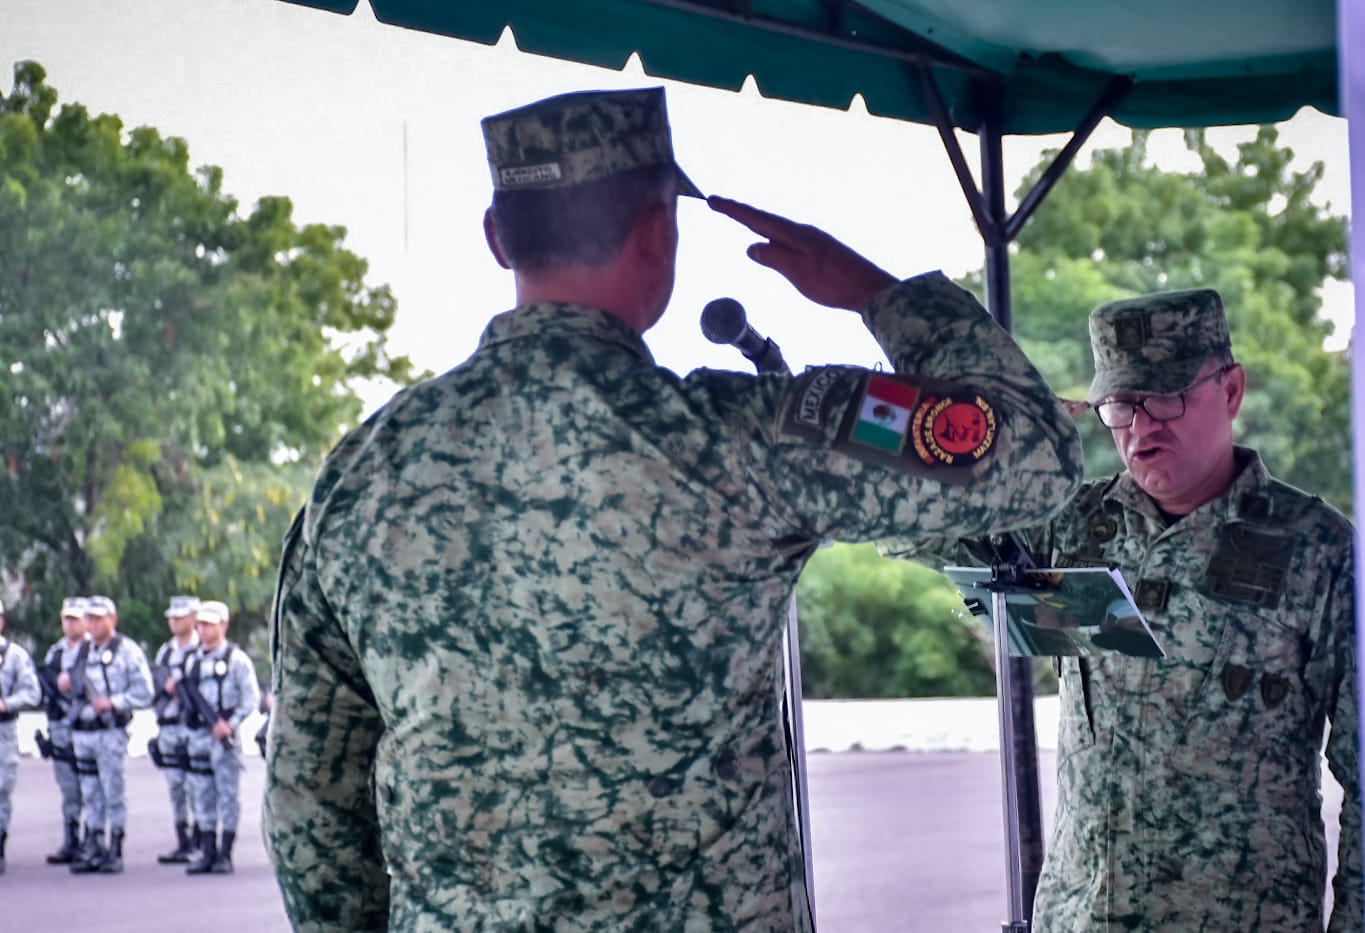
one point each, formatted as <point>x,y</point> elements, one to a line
<point>208,854</point>
<point>113,859</point>
<point>4,836</point>
<point>183,848</point>
<point>70,844</point>
<point>222,865</point>
<point>91,854</point>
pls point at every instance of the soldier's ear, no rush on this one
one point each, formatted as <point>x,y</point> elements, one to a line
<point>490,234</point>
<point>1234,389</point>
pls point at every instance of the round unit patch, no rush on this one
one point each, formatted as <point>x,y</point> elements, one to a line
<point>953,430</point>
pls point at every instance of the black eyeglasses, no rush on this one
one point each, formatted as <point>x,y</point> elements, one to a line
<point>1120,413</point>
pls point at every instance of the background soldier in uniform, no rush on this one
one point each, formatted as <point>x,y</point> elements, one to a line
<point>171,744</point>
<point>110,680</point>
<point>527,643</point>
<point>18,690</point>
<point>57,745</point>
<point>1188,787</point>
<point>228,694</point>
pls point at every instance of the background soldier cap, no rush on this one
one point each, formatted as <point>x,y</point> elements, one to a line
<point>213,612</point>
<point>1157,343</point>
<point>73,606</point>
<point>100,606</point>
<point>575,138</point>
<point>182,606</point>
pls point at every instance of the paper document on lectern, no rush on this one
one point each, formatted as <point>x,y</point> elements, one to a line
<point>1085,611</point>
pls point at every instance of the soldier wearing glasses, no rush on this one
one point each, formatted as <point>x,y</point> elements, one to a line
<point>1188,787</point>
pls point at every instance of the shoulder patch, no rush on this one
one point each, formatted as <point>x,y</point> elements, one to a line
<point>917,426</point>
<point>953,430</point>
<point>806,410</point>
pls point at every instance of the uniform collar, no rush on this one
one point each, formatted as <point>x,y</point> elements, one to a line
<point>1237,501</point>
<point>560,319</point>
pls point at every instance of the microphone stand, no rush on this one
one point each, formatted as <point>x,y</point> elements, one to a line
<point>723,321</point>
<point>1009,566</point>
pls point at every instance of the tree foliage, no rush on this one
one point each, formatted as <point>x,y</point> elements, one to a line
<point>872,627</point>
<point>168,365</point>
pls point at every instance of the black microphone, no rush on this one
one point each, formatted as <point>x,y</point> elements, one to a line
<point>723,321</point>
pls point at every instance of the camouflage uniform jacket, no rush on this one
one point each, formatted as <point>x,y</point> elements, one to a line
<point>527,640</point>
<point>61,657</point>
<point>117,672</point>
<point>1188,787</point>
<point>172,663</point>
<point>226,679</point>
<point>18,680</point>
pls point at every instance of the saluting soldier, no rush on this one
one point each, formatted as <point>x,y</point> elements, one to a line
<point>171,745</point>
<point>57,700</point>
<point>110,681</point>
<point>18,690</point>
<point>226,683</point>
<point>528,638</point>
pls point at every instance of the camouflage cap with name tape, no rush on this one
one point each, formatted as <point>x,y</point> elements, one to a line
<point>581,137</point>
<point>1155,344</point>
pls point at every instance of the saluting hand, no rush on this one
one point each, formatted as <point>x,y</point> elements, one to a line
<point>819,266</point>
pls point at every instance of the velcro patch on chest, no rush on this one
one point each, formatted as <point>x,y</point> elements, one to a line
<point>1250,565</point>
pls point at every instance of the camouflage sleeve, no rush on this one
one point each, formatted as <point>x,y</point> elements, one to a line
<point>965,437</point>
<point>248,692</point>
<point>939,551</point>
<point>320,817</point>
<point>138,692</point>
<point>26,692</point>
<point>1343,752</point>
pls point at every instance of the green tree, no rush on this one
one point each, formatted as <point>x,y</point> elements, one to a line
<point>872,627</point>
<point>1247,227</point>
<point>171,369</point>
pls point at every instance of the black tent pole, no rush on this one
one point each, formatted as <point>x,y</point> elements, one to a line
<point>1014,676</point>
<point>1015,679</point>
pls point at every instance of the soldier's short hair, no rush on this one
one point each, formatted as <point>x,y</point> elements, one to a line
<point>572,174</point>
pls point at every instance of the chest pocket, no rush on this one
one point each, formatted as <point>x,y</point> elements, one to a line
<point>1256,689</point>
<point>1250,566</point>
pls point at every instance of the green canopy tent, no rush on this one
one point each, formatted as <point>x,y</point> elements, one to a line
<point>990,67</point>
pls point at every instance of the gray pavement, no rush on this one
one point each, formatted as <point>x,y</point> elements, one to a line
<point>903,841</point>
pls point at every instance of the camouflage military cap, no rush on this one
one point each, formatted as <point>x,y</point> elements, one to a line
<point>213,612</point>
<point>100,606</point>
<point>181,606</point>
<point>73,606</point>
<point>575,138</point>
<point>1157,343</point>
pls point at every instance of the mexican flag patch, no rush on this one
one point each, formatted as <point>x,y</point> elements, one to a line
<point>884,416</point>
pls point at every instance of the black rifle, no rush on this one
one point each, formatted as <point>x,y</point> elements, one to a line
<point>160,674</point>
<point>55,703</point>
<point>200,714</point>
<point>81,693</point>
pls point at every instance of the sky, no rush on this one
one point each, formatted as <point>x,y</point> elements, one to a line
<point>376,129</point>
